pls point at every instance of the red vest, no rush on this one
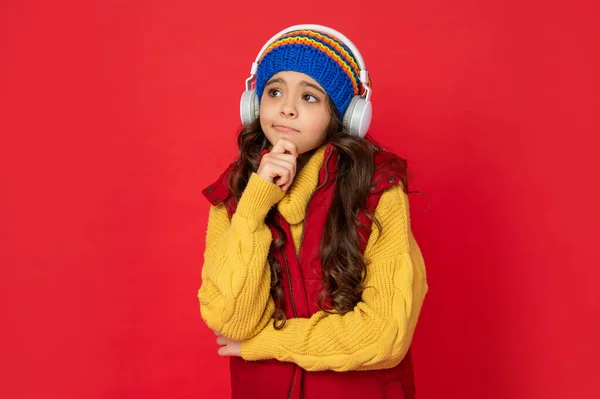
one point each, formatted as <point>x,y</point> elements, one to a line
<point>301,284</point>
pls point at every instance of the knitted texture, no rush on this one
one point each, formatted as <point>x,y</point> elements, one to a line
<point>321,56</point>
<point>236,277</point>
<point>234,297</point>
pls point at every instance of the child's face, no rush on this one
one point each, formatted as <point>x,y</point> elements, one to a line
<point>294,106</point>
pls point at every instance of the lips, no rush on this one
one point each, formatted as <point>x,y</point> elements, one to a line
<point>284,129</point>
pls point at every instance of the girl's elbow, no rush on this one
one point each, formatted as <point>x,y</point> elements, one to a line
<point>243,327</point>
<point>230,329</point>
<point>401,345</point>
<point>398,334</point>
<point>239,331</point>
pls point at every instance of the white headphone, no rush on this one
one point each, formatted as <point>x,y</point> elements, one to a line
<point>356,118</point>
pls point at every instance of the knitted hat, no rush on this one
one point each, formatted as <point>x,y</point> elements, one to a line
<point>320,56</point>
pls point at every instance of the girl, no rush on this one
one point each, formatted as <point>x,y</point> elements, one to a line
<point>312,279</point>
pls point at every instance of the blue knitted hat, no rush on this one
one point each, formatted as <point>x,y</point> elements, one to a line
<point>320,56</point>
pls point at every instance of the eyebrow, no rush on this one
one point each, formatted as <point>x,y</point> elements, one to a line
<point>305,83</point>
<point>302,82</point>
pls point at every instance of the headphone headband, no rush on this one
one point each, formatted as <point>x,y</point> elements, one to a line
<point>364,75</point>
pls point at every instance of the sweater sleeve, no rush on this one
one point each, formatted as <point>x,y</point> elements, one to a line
<point>377,333</point>
<point>234,294</point>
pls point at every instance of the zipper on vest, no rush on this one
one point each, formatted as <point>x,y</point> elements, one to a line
<point>311,197</point>
<point>293,383</point>
<point>287,271</point>
<point>301,241</point>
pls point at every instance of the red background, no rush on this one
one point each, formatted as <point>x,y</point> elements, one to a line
<point>115,114</point>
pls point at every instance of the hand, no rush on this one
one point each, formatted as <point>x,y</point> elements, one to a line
<point>228,346</point>
<point>279,165</point>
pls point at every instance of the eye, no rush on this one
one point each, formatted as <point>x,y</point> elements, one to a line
<point>310,98</point>
<point>274,93</point>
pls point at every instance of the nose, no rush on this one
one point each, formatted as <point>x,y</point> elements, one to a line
<point>288,109</point>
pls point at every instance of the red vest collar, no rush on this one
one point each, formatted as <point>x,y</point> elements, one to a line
<point>389,169</point>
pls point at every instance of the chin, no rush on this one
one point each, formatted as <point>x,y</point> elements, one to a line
<point>290,136</point>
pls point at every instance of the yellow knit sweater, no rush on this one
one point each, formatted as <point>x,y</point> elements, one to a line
<point>234,296</point>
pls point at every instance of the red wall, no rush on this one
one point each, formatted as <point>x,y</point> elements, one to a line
<point>115,114</point>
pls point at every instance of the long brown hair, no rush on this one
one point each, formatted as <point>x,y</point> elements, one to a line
<point>344,269</point>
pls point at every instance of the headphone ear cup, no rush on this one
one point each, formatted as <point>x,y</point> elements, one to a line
<point>357,117</point>
<point>249,107</point>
